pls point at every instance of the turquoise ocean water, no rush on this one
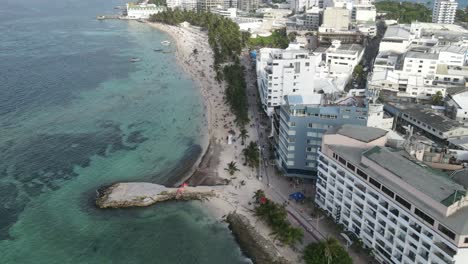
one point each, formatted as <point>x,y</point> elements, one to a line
<point>75,114</point>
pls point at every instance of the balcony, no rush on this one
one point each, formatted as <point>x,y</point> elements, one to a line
<point>446,249</point>
<point>382,223</point>
<point>427,234</point>
<point>373,195</point>
<point>442,257</point>
<point>402,237</point>
<point>358,213</point>
<point>372,214</point>
<point>394,212</point>
<point>369,232</point>
<point>384,204</point>
<point>372,205</point>
<point>393,220</point>
<point>323,167</point>
<point>416,227</point>
<point>360,205</point>
<point>341,173</point>
<point>360,187</point>
<point>414,236</point>
<point>323,160</point>
<point>383,212</point>
<point>334,166</point>
<point>411,256</point>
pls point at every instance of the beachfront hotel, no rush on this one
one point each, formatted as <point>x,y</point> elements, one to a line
<point>142,11</point>
<point>405,211</point>
<point>300,123</point>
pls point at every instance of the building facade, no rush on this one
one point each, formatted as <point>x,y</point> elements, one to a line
<point>142,11</point>
<point>283,72</point>
<point>404,211</point>
<point>444,11</point>
<point>301,122</point>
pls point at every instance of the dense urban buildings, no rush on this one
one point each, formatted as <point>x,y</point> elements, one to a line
<point>444,11</point>
<point>142,11</point>
<point>405,211</point>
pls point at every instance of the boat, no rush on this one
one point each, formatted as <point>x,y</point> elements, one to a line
<point>158,50</point>
<point>135,59</point>
<point>165,42</point>
<point>101,17</point>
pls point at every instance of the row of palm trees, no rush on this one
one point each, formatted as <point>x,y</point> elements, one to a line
<point>275,215</point>
<point>328,251</point>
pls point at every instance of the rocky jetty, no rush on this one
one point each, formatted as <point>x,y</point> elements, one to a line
<point>252,243</point>
<point>133,194</point>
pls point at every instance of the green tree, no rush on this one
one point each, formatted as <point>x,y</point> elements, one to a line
<point>292,36</point>
<point>438,99</point>
<point>358,72</point>
<point>328,251</point>
<point>251,154</point>
<point>243,135</point>
<point>258,194</point>
<point>404,12</point>
<point>231,168</point>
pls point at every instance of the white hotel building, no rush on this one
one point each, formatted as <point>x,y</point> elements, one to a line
<point>405,211</point>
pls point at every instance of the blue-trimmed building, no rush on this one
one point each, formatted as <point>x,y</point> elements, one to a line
<point>300,123</point>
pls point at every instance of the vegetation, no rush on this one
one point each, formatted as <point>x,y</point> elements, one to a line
<point>462,15</point>
<point>358,72</point>
<point>404,12</point>
<point>243,135</point>
<point>236,96</point>
<point>231,168</point>
<point>438,99</point>
<point>226,41</point>
<point>278,39</point>
<point>326,252</point>
<point>275,216</point>
<point>251,155</point>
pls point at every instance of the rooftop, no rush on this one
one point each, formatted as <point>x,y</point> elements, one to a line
<point>347,49</point>
<point>312,99</point>
<point>454,49</point>
<point>433,183</point>
<point>361,133</point>
<point>461,99</point>
<point>397,31</point>
<point>428,116</point>
<point>421,55</point>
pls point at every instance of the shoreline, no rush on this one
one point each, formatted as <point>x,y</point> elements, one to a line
<point>236,195</point>
<point>182,54</point>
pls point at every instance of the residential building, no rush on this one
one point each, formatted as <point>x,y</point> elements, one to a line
<point>427,121</point>
<point>301,121</point>
<point>310,20</point>
<point>444,11</point>
<point>142,11</point>
<point>283,72</point>
<point>405,211</point>
<point>248,5</point>
<point>363,14</point>
<point>456,106</point>
<point>396,38</point>
<point>335,19</point>
<point>342,58</point>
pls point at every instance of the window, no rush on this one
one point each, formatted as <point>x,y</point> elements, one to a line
<point>387,191</point>
<point>446,232</point>
<point>403,202</point>
<point>375,183</point>
<point>341,160</point>
<point>466,240</point>
<point>424,216</point>
<point>310,149</point>
<point>351,166</point>
<point>362,174</point>
<point>292,124</point>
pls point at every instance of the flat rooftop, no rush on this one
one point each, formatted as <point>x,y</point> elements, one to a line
<point>422,55</point>
<point>435,184</point>
<point>361,133</point>
<point>428,116</point>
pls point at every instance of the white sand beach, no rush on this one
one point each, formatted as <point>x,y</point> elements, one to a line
<point>236,196</point>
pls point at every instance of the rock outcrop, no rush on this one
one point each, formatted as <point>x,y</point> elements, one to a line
<point>252,243</point>
<point>133,194</point>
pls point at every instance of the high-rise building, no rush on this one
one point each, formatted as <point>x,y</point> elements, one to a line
<point>444,11</point>
<point>302,120</point>
<point>405,211</point>
<point>247,5</point>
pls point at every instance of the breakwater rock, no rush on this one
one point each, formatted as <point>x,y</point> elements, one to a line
<point>131,194</point>
<point>252,243</point>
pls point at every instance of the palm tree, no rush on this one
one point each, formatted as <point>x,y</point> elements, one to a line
<point>258,194</point>
<point>328,251</point>
<point>243,135</point>
<point>251,155</point>
<point>231,168</point>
